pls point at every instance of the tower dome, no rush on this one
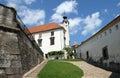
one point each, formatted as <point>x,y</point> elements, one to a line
<point>65,20</point>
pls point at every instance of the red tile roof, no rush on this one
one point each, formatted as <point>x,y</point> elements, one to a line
<point>45,27</point>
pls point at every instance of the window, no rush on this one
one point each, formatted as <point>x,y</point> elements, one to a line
<point>105,33</point>
<point>40,42</point>
<point>52,33</point>
<point>52,39</point>
<point>65,38</point>
<point>116,27</point>
<point>87,55</point>
<point>110,30</point>
<point>46,55</point>
<point>65,41</point>
<point>105,53</point>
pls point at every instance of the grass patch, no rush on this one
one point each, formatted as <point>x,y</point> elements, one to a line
<point>71,60</point>
<point>58,69</point>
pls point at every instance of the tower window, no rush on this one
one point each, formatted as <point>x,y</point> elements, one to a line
<point>52,40</point>
<point>105,53</point>
<point>64,40</point>
<point>52,33</point>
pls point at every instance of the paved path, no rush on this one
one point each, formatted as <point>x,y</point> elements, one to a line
<point>91,71</point>
<point>33,72</point>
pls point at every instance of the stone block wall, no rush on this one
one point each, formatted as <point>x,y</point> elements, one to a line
<point>30,56</point>
<point>18,53</point>
<point>10,57</point>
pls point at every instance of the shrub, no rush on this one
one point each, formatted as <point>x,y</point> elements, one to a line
<point>55,53</point>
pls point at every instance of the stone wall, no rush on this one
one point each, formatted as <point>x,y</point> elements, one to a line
<point>30,55</point>
<point>18,53</point>
<point>10,58</point>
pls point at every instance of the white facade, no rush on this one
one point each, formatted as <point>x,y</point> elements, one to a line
<point>45,36</point>
<point>104,46</point>
<point>59,34</point>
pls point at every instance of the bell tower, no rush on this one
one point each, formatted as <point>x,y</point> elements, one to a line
<point>65,24</point>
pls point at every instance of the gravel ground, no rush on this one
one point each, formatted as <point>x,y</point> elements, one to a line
<point>91,71</point>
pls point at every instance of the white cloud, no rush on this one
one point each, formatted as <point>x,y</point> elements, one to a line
<point>29,16</point>
<point>88,25</point>
<point>19,2</point>
<point>29,1</point>
<point>118,4</point>
<point>91,23</point>
<point>74,22</point>
<point>67,7</point>
<point>13,3</point>
<point>56,17</point>
<point>75,25</point>
<point>73,32</point>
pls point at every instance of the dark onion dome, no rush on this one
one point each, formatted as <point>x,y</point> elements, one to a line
<point>65,19</point>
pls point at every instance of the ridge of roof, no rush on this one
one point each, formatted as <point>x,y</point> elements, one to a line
<point>45,27</point>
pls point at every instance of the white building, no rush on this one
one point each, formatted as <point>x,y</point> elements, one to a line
<point>103,48</point>
<point>51,37</point>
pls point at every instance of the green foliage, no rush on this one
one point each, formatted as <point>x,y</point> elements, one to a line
<point>59,69</point>
<point>69,51</point>
<point>55,53</point>
<point>70,60</point>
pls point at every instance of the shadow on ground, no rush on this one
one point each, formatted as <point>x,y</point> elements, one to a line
<point>115,75</point>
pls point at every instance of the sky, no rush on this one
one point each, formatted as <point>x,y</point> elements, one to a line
<point>86,17</point>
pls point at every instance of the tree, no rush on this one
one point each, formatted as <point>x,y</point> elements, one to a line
<point>69,52</point>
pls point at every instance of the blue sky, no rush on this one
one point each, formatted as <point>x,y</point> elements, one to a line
<point>86,17</point>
